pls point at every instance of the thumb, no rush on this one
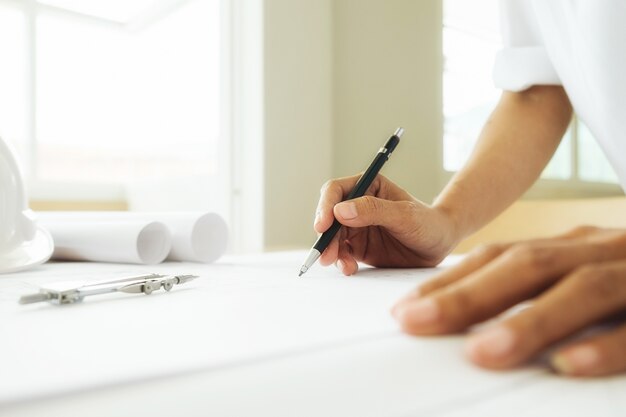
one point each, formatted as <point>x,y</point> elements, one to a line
<point>372,211</point>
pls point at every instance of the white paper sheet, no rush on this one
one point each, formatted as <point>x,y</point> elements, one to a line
<point>237,311</point>
<point>196,236</point>
<point>249,316</point>
<point>141,242</point>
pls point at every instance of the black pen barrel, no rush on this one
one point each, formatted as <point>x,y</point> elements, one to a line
<point>359,190</point>
<point>324,240</point>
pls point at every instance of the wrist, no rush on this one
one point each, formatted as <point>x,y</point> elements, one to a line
<point>453,222</point>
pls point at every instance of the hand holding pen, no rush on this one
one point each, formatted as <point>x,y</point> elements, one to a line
<point>386,227</point>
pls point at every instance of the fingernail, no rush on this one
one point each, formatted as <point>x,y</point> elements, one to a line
<point>494,343</point>
<point>340,265</point>
<point>419,313</point>
<point>414,293</point>
<point>318,216</point>
<point>394,310</point>
<point>347,210</point>
<point>576,360</point>
<point>396,307</point>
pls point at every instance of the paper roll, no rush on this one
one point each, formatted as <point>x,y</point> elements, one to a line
<point>138,242</point>
<point>196,236</point>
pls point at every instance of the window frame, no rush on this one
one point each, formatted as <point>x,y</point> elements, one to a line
<point>549,188</point>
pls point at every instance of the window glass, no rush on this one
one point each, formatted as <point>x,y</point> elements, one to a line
<point>115,105</point>
<point>13,91</point>
<point>471,38</point>
<point>592,164</point>
<point>560,166</point>
<point>117,10</point>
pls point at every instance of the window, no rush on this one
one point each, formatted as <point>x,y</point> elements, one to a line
<point>471,38</point>
<point>13,75</point>
<point>125,92</point>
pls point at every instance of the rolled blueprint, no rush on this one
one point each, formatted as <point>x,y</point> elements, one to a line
<point>137,242</point>
<point>196,236</point>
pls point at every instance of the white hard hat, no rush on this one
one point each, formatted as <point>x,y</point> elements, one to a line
<point>22,242</point>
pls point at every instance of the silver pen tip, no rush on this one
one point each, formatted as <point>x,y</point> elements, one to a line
<point>309,261</point>
<point>399,132</point>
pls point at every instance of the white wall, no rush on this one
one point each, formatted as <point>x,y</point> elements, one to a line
<point>339,77</point>
<point>387,73</point>
<point>298,116</point>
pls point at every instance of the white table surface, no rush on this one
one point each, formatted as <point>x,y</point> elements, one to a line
<point>373,371</point>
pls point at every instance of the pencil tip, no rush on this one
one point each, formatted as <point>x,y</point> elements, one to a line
<point>300,274</point>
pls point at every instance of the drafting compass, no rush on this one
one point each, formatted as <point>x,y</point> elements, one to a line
<point>68,293</point>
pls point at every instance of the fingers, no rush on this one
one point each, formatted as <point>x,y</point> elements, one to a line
<point>600,355</point>
<point>583,298</point>
<point>518,274</point>
<point>371,211</point>
<point>345,261</point>
<point>348,266</point>
<point>481,256</point>
<point>472,262</point>
<point>331,253</point>
<point>580,231</point>
<point>339,252</point>
<point>332,192</point>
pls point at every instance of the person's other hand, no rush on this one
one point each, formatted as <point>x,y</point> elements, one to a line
<point>387,227</point>
<point>576,280</point>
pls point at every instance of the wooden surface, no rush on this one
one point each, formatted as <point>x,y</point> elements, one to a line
<point>541,218</point>
<point>78,205</point>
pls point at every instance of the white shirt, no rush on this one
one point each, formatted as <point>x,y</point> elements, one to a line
<point>579,44</point>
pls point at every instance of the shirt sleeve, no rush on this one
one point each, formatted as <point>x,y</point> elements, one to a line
<point>523,61</point>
